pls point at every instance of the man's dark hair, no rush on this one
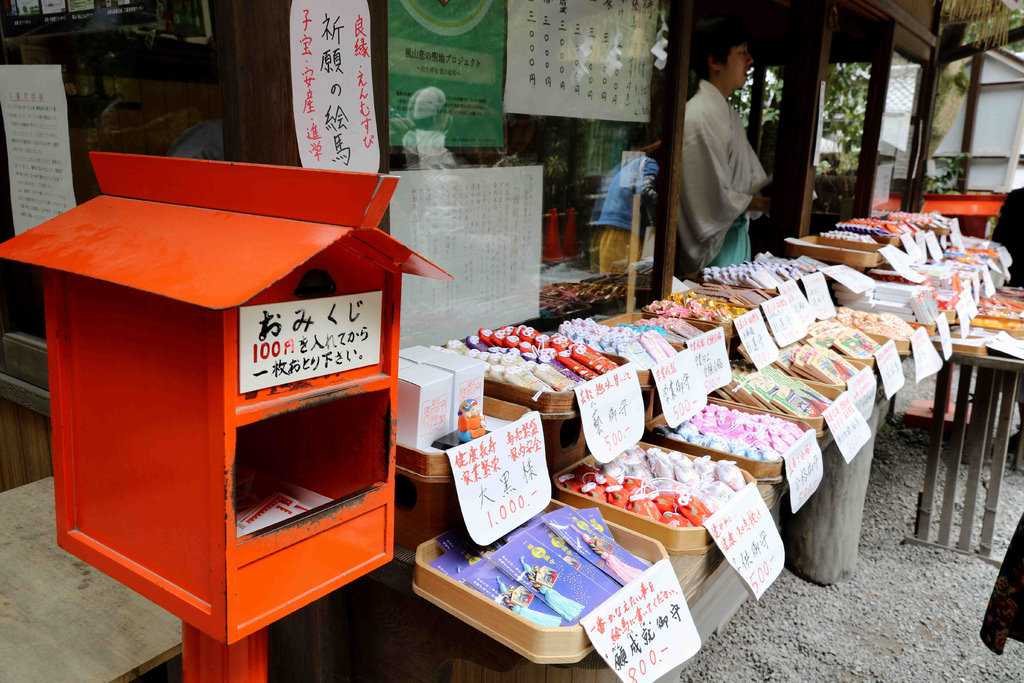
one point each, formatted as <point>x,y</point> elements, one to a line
<point>714,36</point>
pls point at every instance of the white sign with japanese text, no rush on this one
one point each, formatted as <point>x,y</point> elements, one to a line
<point>612,411</point>
<point>966,310</point>
<point>989,287</point>
<point>818,296</point>
<point>501,478</point>
<point>849,428</point>
<point>910,245</point>
<point>804,312</point>
<point>785,322</point>
<point>955,236</point>
<point>681,387</point>
<point>942,325</point>
<point>862,388</point>
<point>1005,260</point>
<point>712,357</point>
<point>934,249</point>
<point>645,630</point>
<point>926,359</point>
<point>850,278</point>
<point>332,88</point>
<point>287,342</point>
<point>804,469</point>
<point>900,262</point>
<point>745,533</point>
<point>890,368</point>
<point>754,335</point>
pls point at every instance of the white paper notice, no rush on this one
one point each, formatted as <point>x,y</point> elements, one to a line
<point>501,478</point>
<point>926,359</point>
<point>804,312</point>
<point>955,236</point>
<point>890,368</point>
<point>612,411</point>
<point>332,91</point>
<point>712,357</point>
<point>804,469</point>
<point>645,630</point>
<point>581,58</point>
<point>287,342</point>
<point>900,262</point>
<point>1004,343</point>
<point>35,113</point>
<point>911,248</point>
<point>818,296</point>
<point>942,325</point>
<point>481,225</point>
<point>850,278</point>
<point>989,287</point>
<point>976,288</point>
<point>966,310</point>
<point>1005,260</point>
<point>849,428</point>
<point>862,388</point>
<point>783,319</point>
<point>754,335</point>
<point>745,533</point>
<point>932,243</point>
<point>681,387</point>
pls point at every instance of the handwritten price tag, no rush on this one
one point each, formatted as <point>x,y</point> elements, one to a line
<point>849,428</point>
<point>850,278</point>
<point>745,533</point>
<point>862,388</point>
<point>989,286</point>
<point>645,630</point>
<point>976,289</point>
<point>612,411</point>
<point>926,359</point>
<point>782,316</point>
<point>818,296</point>
<point>955,236</point>
<point>900,262</point>
<point>890,368</point>
<point>754,335</point>
<point>965,311</point>
<point>932,243</point>
<point>910,246</point>
<point>804,312</point>
<point>804,469</point>
<point>712,358</point>
<point>681,387</point>
<point>502,478</point>
<point>1005,260</point>
<point>942,325</point>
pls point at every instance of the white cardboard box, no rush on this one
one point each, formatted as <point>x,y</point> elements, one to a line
<point>467,378</point>
<point>413,353</point>
<point>424,405</point>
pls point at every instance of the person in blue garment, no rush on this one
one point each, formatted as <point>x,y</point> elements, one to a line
<point>721,172</point>
<point>614,211</point>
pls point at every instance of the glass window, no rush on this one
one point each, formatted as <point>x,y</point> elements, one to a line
<point>894,146</point>
<point>835,179</point>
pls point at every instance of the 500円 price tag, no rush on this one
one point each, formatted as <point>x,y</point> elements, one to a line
<point>645,630</point>
<point>745,533</point>
<point>784,318</point>
<point>501,478</point>
<point>754,335</point>
<point>612,411</point>
<point>890,367</point>
<point>804,469</point>
<point>849,428</point>
<point>681,387</point>
<point>926,359</point>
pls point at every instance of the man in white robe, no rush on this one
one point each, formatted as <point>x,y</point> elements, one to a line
<point>721,172</point>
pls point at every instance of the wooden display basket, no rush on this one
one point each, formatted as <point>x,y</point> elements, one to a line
<point>815,423</point>
<point>543,402</point>
<point>849,244</point>
<point>542,645</point>
<point>902,345</point>
<point>684,541</point>
<point>764,472</point>
<point>860,260</point>
<point>704,326</point>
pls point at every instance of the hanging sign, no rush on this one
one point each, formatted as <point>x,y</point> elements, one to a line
<point>932,243</point>
<point>849,428</point>
<point>976,288</point>
<point>1004,343</point>
<point>332,88</point>
<point>955,236</point>
<point>502,478</point>
<point>862,388</point>
<point>712,358</point>
<point>890,367</point>
<point>1005,260</point>
<point>804,312</point>
<point>745,532</point>
<point>287,342</point>
<point>818,296</point>
<point>612,411</point>
<point>926,359</point>
<point>754,335</point>
<point>850,278</point>
<point>645,629</point>
<point>785,323</point>
<point>804,469</point>
<point>942,325</point>
<point>900,262</point>
<point>681,387</point>
<point>988,286</point>
<point>966,311</point>
<point>911,247</point>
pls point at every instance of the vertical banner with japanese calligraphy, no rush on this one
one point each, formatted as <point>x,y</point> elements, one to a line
<point>581,58</point>
<point>482,225</point>
<point>332,90</point>
<point>502,478</point>
<point>287,342</point>
<point>38,146</point>
<point>446,64</point>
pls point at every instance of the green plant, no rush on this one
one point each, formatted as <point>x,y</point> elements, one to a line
<point>947,172</point>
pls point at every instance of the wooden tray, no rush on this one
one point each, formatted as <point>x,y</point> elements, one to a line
<point>888,239</point>
<point>685,541</point>
<point>902,345</point>
<point>424,506</point>
<point>542,645</point>
<point>546,402</point>
<point>848,244</point>
<point>764,472</point>
<point>861,260</point>
<point>815,423</point>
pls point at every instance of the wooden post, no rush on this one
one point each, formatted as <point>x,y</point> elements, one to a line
<point>634,254</point>
<point>977,448</point>
<point>754,124</point>
<point>931,472</point>
<point>912,199</point>
<point>956,448</point>
<point>878,88</point>
<point>970,118</point>
<point>1007,404</point>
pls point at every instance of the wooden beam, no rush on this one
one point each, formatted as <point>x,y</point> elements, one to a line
<point>908,21</point>
<point>878,88</point>
<point>670,156</point>
<point>970,116</point>
<point>964,51</point>
<point>754,124</point>
<point>912,199</point>
<point>811,37</point>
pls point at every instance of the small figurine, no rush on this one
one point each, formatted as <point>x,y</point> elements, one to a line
<point>471,421</point>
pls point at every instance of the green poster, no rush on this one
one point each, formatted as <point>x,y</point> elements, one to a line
<point>445,72</point>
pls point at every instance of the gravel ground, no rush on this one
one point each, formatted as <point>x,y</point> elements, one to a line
<point>909,614</point>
